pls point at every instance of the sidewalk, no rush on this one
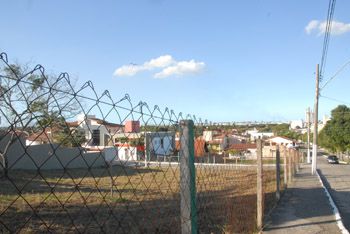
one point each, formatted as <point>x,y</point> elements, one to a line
<point>304,208</point>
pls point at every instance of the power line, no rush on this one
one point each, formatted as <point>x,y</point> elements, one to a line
<point>326,39</point>
<point>336,74</point>
<point>336,100</point>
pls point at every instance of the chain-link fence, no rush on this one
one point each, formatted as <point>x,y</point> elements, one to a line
<point>73,161</point>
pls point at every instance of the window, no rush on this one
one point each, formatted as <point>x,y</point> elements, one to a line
<point>96,137</point>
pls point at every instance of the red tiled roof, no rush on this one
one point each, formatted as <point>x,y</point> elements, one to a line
<point>41,136</point>
<point>73,124</point>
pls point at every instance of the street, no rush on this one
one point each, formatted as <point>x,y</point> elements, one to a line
<point>336,178</point>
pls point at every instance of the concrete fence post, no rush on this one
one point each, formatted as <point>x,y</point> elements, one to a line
<point>285,177</point>
<point>278,173</point>
<point>187,179</point>
<point>260,192</point>
<point>302,157</point>
<point>289,166</point>
<point>296,167</point>
<point>292,160</point>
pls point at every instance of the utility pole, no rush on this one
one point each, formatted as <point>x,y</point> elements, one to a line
<point>314,145</point>
<point>308,134</point>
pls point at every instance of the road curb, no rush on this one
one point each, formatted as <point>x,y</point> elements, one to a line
<point>334,207</point>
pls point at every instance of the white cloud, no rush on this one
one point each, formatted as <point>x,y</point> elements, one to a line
<point>313,24</point>
<point>162,61</point>
<point>181,68</point>
<point>165,62</point>
<point>128,70</point>
<point>133,69</point>
<point>338,28</point>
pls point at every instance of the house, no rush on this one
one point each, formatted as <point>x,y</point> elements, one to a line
<point>247,149</point>
<point>208,135</point>
<point>279,140</point>
<point>199,147</point>
<point>98,132</point>
<point>255,134</point>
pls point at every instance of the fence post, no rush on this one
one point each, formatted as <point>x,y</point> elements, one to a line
<point>289,166</point>
<point>278,173</point>
<point>259,186</point>
<point>285,166</point>
<point>292,164</point>
<point>187,179</point>
<point>147,145</point>
<point>296,162</point>
<point>302,157</point>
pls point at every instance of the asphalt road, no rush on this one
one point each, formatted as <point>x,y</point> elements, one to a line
<point>336,178</point>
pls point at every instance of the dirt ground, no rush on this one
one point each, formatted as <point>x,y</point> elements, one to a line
<point>129,200</point>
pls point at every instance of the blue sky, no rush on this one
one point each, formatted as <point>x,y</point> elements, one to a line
<point>230,60</point>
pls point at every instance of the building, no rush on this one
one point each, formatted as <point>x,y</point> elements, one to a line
<point>296,124</point>
<point>255,134</point>
<point>98,132</point>
<point>248,150</point>
<point>279,140</point>
<point>260,135</point>
<point>132,126</point>
<point>208,135</point>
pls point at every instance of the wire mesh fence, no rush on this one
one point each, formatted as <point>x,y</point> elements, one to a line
<point>73,161</point>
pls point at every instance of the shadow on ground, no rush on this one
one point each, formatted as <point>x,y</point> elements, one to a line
<point>303,209</point>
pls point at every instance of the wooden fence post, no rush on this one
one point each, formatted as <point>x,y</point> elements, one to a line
<point>260,192</point>
<point>278,173</point>
<point>187,179</point>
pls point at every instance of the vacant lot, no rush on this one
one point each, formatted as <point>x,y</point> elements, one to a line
<point>128,200</point>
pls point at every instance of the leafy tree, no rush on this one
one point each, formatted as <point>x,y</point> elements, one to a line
<point>283,130</point>
<point>32,102</point>
<point>335,136</point>
<point>137,142</point>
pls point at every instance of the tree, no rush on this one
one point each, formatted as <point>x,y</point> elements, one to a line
<point>283,130</point>
<point>335,136</point>
<point>32,101</point>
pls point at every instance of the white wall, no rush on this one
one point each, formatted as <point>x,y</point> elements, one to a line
<point>127,153</point>
<point>49,157</point>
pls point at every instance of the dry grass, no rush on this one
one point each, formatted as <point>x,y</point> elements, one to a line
<point>144,200</point>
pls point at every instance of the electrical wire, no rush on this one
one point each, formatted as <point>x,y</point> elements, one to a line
<point>326,39</point>
<point>334,99</point>
<point>336,74</point>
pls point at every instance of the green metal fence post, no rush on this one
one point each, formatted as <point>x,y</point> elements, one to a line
<point>187,179</point>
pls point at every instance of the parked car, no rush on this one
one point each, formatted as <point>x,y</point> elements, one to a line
<point>332,159</point>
